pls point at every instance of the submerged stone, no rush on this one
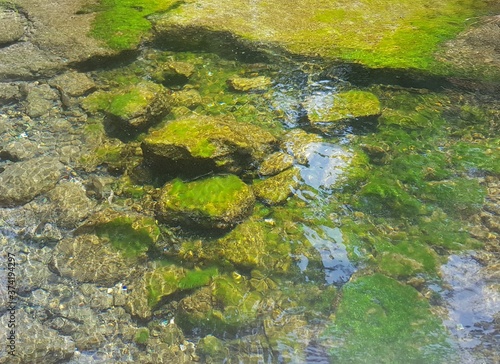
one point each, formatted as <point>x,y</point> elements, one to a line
<point>186,98</point>
<point>342,107</point>
<point>218,202</point>
<point>12,25</point>
<point>275,163</point>
<point>88,258</point>
<point>379,319</point>
<point>276,189</point>
<point>22,181</point>
<point>174,73</point>
<point>73,83</point>
<point>199,145</point>
<point>136,105</point>
<point>254,84</point>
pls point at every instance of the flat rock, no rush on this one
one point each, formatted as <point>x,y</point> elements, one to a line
<point>12,25</point>
<point>201,144</point>
<point>218,202</point>
<point>73,83</point>
<point>40,100</point>
<point>22,181</point>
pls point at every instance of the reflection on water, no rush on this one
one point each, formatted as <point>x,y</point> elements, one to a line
<point>472,302</point>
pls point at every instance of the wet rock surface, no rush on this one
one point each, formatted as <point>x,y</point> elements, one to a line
<point>22,181</point>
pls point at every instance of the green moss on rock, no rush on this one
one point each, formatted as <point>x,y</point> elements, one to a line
<point>217,202</point>
<point>200,144</point>
<point>276,189</point>
<point>381,320</point>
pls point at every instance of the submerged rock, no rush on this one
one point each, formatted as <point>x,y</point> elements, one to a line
<point>275,163</point>
<point>12,25</point>
<point>350,105</point>
<point>199,145</point>
<point>174,73</point>
<point>255,84</point>
<point>73,83</point>
<point>36,343</point>
<point>217,202</point>
<point>276,189</point>
<point>135,106</point>
<point>40,100</point>
<point>88,258</point>
<point>22,181</point>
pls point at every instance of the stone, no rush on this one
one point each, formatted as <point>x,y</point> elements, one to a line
<point>9,93</point>
<point>73,83</point>
<point>174,73</point>
<point>135,106</point>
<point>37,343</point>
<point>219,202</point>
<point>40,100</point>
<point>343,106</point>
<point>12,25</point>
<point>186,98</point>
<point>88,258</point>
<point>198,145</point>
<point>275,163</point>
<point>254,84</point>
<point>22,181</point>
<point>18,150</point>
<point>276,189</point>
<point>71,204</point>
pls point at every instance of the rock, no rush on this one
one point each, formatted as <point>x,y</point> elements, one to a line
<point>136,106</point>
<point>36,343</point>
<point>254,84</point>
<point>276,189</point>
<point>22,181</point>
<point>186,98</point>
<point>18,150</point>
<point>341,107</point>
<point>219,202</point>
<point>73,83</point>
<point>131,234</point>
<point>213,348</point>
<point>297,143</point>
<point>40,100</point>
<point>275,163</point>
<point>24,61</point>
<point>12,25</point>
<point>9,93</point>
<point>174,73</point>
<point>71,202</point>
<point>88,258</point>
<point>354,32</point>
<point>152,288</point>
<point>194,146</point>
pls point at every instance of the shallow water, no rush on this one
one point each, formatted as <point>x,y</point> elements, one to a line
<point>384,225</point>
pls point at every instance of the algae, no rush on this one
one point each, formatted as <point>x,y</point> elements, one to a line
<point>379,319</point>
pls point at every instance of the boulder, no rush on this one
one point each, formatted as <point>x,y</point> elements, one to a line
<point>22,181</point>
<point>253,84</point>
<point>341,107</point>
<point>219,202</point>
<point>194,146</point>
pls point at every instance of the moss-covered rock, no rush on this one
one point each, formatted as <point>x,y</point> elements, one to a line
<point>381,320</point>
<point>218,202</point>
<point>276,189</point>
<point>186,98</point>
<point>254,84</point>
<point>135,105</point>
<point>174,73</point>
<point>132,235</point>
<point>198,145</point>
<point>227,306</point>
<point>342,107</point>
<point>275,163</point>
<point>375,33</point>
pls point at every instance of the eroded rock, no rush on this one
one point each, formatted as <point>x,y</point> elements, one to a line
<point>22,181</point>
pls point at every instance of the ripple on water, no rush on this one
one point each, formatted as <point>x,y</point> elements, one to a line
<point>472,303</point>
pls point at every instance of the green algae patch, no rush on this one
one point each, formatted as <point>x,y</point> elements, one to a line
<point>122,23</point>
<point>202,144</point>
<point>196,278</point>
<point>375,33</point>
<point>216,202</point>
<point>345,105</point>
<point>129,235</point>
<point>380,320</point>
<point>162,282</point>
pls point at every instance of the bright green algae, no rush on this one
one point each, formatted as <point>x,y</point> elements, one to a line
<point>380,320</point>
